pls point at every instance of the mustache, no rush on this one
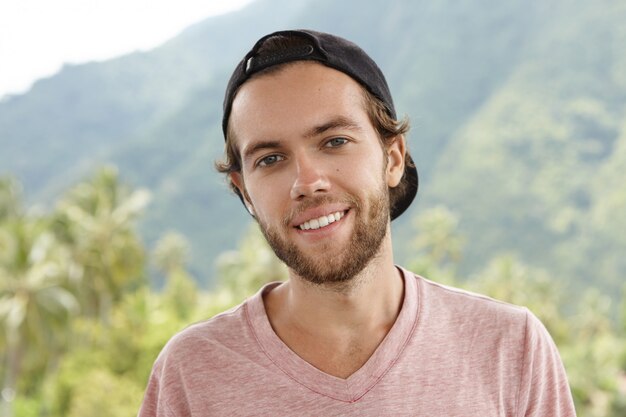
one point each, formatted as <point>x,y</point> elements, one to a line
<point>318,201</point>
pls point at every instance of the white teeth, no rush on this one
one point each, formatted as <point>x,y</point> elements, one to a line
<point>321,221</point>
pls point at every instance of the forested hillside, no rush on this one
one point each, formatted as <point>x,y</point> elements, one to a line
<point>543,158</point>
<point>518,114</point>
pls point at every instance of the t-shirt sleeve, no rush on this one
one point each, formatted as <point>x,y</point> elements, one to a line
<point>149,406</point>
<point>155,402</point>
<point>543,390</point>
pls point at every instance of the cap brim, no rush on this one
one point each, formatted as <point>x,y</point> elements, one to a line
<point>410,172</point>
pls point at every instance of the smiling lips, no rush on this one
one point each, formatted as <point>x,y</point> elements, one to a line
<point>322,221</point>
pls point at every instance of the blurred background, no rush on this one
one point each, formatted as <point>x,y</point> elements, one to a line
<point>116,232</point>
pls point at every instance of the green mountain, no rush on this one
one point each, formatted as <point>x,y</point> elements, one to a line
<point>518,111</point>
<point>540,165</point>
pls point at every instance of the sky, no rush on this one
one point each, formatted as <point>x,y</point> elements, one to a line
<point>38,36</point>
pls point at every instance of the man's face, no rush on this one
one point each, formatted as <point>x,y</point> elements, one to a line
<point>313,170</point>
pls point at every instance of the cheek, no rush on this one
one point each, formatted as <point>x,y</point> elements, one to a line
<point>372,169</point>
<point>267,195</point>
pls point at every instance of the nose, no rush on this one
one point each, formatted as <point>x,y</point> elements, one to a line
<point>310,179</point>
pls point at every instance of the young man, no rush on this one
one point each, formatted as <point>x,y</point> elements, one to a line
<point>316,154</point>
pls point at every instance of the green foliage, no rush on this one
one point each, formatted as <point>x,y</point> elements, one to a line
<point>593,358</point>
<point>10,198</point>
<point>536,170</point>
<point>35,308</point>
<point>55,272</point>
<point>437,248</point>
<point>114,357</point>
<point>170,256</point>
<point>245,270</point>
<point>95,221</point>
<point>93,396</point>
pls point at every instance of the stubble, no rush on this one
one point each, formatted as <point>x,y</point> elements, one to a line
<point>332,265</point>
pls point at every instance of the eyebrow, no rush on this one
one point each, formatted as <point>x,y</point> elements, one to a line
<point>339,122</point>
<point>259,146</point>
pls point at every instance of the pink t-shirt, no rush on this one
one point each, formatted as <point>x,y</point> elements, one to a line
<point>449,353</point>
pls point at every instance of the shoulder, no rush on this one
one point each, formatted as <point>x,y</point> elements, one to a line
<point>459,304</point>
<point>498,326</point>
<point>211,337</point>
<point>189,359</point>
<point>499,340</point>
<point>453,315</point>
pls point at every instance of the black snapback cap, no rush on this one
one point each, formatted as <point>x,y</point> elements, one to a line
<point>336,53</point>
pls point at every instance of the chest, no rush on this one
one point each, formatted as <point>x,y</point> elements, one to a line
<point>338,356</point>
<point>406,390</point>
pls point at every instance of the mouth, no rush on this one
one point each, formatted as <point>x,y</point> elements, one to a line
<point>322,221</point>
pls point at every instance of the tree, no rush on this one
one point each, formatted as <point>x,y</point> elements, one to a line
<point>35,306</point>
<point>170,256</point>
<point>95,220</point>
<point>10,198</point>
<point>592,358</point>
<point>438,246</point>
<point>244,271</point>
<point>94,399</point>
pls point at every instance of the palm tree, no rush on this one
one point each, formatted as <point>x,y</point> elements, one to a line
<point>10,202</point>
<point>243,271</point>
<point>96,221</point>
<point>170,255</point>
<point>34,305</point>
<point>437,247</point>
<point>438,237</point>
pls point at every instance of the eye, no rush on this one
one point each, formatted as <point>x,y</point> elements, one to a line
<point>336,142</point>
<point>269,160</point>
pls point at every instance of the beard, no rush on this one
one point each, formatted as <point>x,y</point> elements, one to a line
<point>330,265</point>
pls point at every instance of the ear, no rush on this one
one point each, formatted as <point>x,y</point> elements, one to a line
<point>237,179</point>
<point>395,161</point>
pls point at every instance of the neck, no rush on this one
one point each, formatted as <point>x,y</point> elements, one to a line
<point>336,328</point>
<point>370,302</point>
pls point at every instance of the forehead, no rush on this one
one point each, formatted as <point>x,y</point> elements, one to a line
<point>290,100</point>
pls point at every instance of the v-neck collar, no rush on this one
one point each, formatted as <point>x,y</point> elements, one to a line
<point>360,382</point>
